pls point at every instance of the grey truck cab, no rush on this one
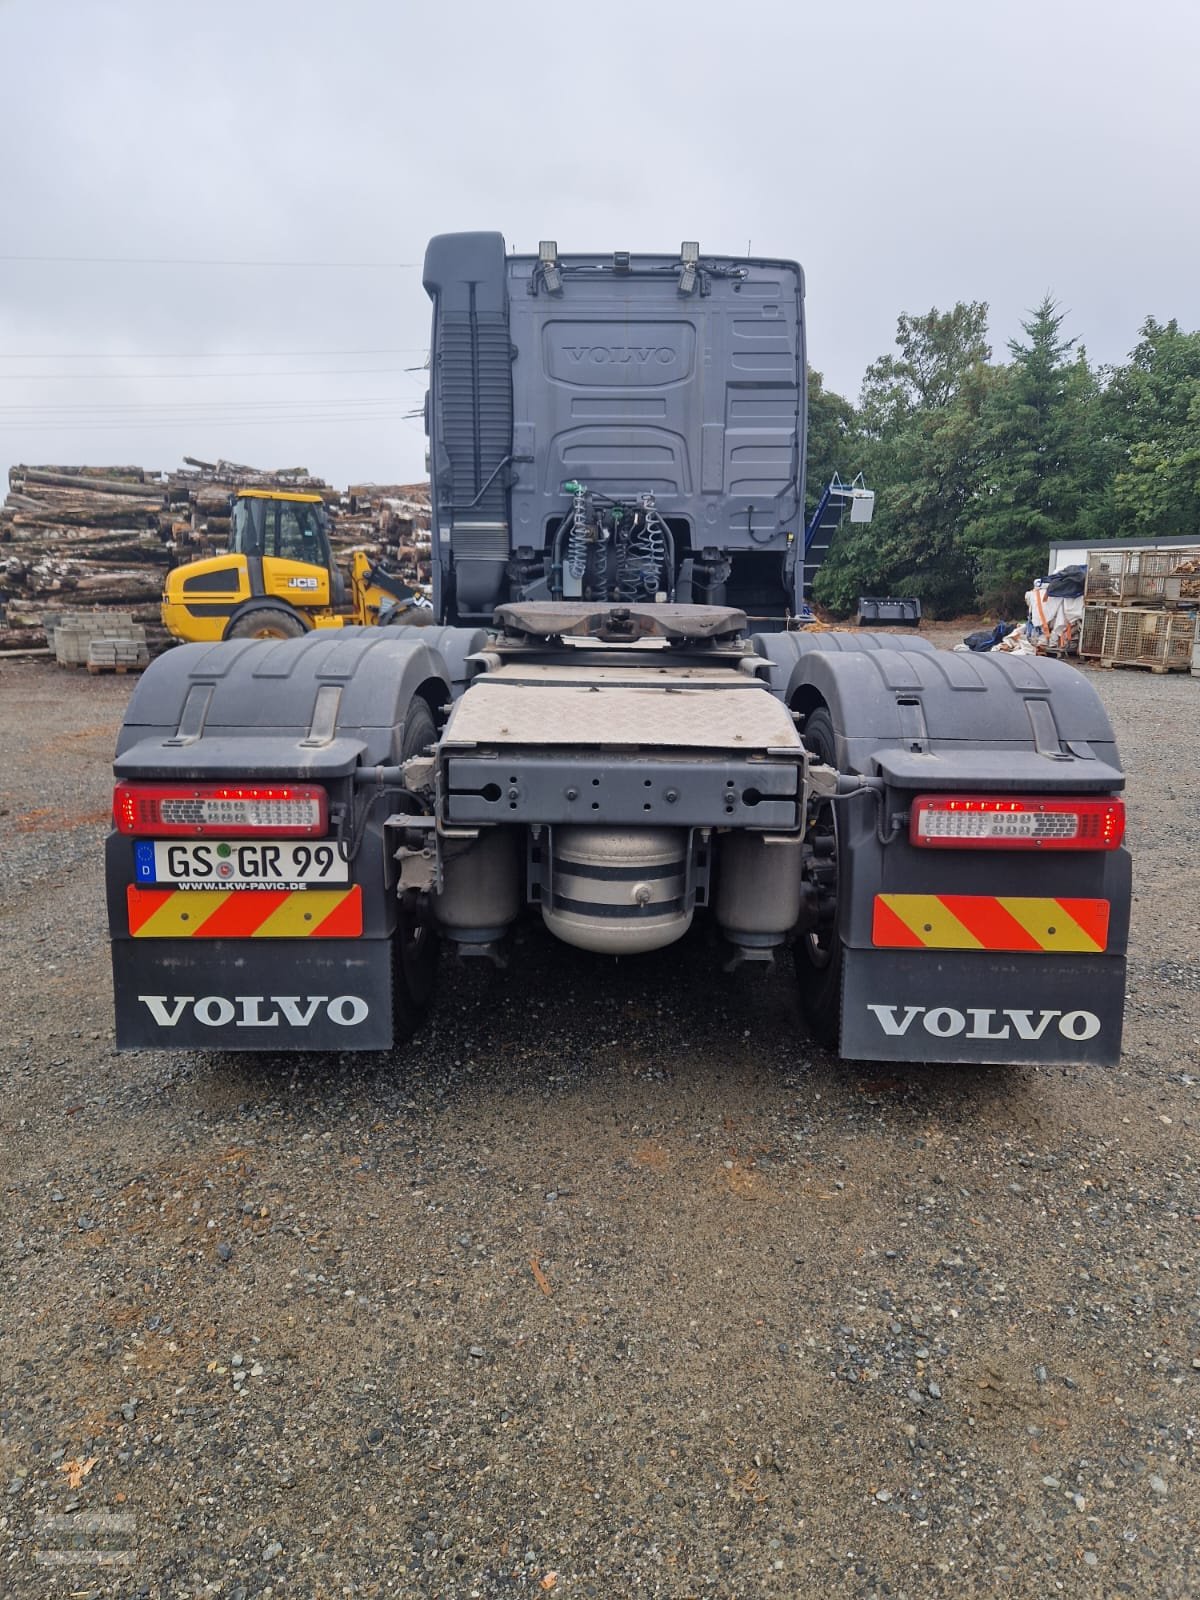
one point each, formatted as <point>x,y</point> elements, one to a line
<point>615,427</point>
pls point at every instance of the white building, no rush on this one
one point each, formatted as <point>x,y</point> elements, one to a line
<point>1064,554</point>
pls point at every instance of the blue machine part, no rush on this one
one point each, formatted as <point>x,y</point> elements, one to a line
<point>835,501</point>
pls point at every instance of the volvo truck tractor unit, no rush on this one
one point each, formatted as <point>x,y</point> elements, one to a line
<point>612,724</point>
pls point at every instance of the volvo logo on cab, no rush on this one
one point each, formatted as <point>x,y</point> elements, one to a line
<point>639,355</point>
<point>256,1010</point>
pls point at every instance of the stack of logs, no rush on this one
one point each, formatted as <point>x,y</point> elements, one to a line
<point>1188,570</point>
<point>79,537</point>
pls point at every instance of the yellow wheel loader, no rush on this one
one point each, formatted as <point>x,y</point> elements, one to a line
<point>278,579</point>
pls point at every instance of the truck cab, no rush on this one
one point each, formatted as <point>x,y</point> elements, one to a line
<point>615,427</point>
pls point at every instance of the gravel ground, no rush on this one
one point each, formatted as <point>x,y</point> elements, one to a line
<point>612,1284</point>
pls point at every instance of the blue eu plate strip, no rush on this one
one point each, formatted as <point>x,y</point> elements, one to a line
<point>143,861</point>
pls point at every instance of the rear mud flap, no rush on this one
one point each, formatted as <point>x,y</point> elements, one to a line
<point>901,1005</point>
<point>227,994</point>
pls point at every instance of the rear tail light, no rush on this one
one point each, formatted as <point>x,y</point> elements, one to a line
<point>154,810</point>
<point>1015,822</point>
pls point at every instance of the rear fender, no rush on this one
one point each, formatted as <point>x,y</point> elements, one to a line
<point>314,709</point>
<point>948,722</point>
<point>789,655</point>
<point>950,707</point>
<point>296,694</point>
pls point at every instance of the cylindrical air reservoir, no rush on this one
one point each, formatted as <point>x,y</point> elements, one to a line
<point>618,890</point>
<point>481,888</point>
<point>758,886</point>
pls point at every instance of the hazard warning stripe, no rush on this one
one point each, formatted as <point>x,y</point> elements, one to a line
<point>989,922</point>
<point>245,914</point>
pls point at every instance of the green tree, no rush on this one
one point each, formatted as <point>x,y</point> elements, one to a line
<point>834,440</point>
<point>1150,432</point>
<point>919,413</point>
<point>1033,457</point>
<point>938,354</point>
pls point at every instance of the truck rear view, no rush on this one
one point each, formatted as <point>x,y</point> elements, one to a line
<point>612,730</point>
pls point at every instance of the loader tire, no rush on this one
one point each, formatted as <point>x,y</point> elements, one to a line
<point>819,952</point>
<point>266,622</point>
<point>416,947</point>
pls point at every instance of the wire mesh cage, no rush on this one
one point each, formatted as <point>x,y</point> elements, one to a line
<point>1091,632</point>
<point>1154,570</point>
<point>1182,584</point>
<point>1112,574</point>
<point>1163,576</point>
<point>1141,637</point>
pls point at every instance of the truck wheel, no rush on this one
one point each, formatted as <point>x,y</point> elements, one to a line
<point>266,622</point>
<point>416,942</point>
<point>818,952</point>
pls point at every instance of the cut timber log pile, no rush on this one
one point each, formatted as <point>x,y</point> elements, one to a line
<point>79,537</point>
<point>1188,573</point>
<point>387,519</point>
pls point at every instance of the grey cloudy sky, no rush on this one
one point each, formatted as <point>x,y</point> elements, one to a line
<point>908,152</point>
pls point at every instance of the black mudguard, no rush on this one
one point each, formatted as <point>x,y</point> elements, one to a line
<point>233,994</point>
<point>314,709</point>
<point>940,1005</point>
<point>927,721</point>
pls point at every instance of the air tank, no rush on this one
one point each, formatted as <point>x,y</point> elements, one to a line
<point>618,890</point>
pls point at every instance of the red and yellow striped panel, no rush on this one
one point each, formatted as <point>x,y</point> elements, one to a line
<point>989,922</point>
<point>245,913</point>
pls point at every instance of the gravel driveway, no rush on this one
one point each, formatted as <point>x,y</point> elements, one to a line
<point>611,1285</point>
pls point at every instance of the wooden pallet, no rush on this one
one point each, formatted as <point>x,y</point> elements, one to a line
<point>1146,666</point>
<point>93,666</point>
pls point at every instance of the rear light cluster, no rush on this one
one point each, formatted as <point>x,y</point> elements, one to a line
<point>287,811</point>
<point>1015,822</point>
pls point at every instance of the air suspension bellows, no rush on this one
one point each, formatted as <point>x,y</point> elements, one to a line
<point>618,891</point>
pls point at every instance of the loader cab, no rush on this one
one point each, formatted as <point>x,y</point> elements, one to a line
<point>295,529</point>
<point>286,527</point>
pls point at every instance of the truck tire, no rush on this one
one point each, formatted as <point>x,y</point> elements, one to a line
<point>266,622</point>
<point>414,976</point>
<point>819,952</point>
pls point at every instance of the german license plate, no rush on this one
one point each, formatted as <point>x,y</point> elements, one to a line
<point>240,863</point>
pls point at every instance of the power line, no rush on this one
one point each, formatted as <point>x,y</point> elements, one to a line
<point>205,355</point>
<point>279,406</point>
<point>207,405</point>
<point>179,424</point>
<point>209,261</point>
<point>142,377</point>
<point>82,414</point>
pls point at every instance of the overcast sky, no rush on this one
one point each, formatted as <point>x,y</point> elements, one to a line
<point>909,152</point>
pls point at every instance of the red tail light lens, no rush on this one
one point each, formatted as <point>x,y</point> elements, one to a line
<point>1015,822</point>
<point>288,811</point>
